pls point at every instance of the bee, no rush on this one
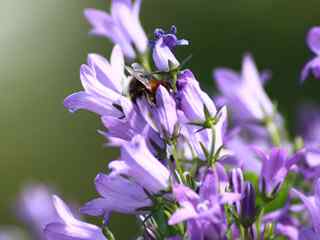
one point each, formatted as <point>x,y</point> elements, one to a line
<point>144,83</point>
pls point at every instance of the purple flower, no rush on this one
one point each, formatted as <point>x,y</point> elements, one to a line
<point>103,83</point>
<point>36,208</point>
<point>275,167</point>
<point>163,46</point>
<point>312,204</point>
<point>244,93</point>
<point>192,100</point>
<point>122,26</point>
<point>139,164</point>
<point>70,228</point>
<point>309,130</point>
<point>313,41</point>
<point>165,113</point>
<point>203,212</point>
<point>118,194</point>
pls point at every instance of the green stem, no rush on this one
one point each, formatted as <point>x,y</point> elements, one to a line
<point>174,81</point>
<point>144,61</point>
<point>178,163</point>
<point>273,132</point>
<point>247,235</point>
<point>109,235</point>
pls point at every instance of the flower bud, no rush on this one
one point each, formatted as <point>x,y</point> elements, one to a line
<point>248,205</point>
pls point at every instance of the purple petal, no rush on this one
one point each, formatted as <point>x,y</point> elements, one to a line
<point>83,100</point>
<point>165,112</point>
<point>313,40</point>
<point>183,194</point>
<point>311,66</point>
<point>313,210</point>
<point>143,165</point>
<point>308,234</point>
<point>126,16</point>
<point>99,21</point>
<point>183,214</point>
<point>163,57</point>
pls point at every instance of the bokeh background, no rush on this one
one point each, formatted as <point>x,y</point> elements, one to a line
<point>43,43</point>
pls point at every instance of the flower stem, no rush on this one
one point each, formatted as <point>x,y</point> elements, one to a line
<point>273,131</point>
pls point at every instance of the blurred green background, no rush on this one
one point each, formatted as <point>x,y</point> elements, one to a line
<point>43,43</point>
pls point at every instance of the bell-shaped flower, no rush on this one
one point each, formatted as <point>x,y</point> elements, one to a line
<point>203,212</point>
<point>312,203</point>
<point>70,228</point>
<point>122,26</point>
<point>192,100</point>
<point>313,66</point>
<point>244,93</point>
<point>118,194</point>
<point>104,84</point>
<point>163,47</point>
<point>275,167</point>
<point>140,165</point>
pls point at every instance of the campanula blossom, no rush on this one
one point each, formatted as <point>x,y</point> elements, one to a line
<point>122,26</point>
<point>192,100</point>
<point>244,92</point>
<point>275,167</point>
<point>163,47</point>
<point>313,66</point>
<point>104,84</point>
<point>70,228</point>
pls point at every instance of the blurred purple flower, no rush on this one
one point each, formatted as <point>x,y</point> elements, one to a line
<point>70,228</point>
<point>275,167</point>
<point>309,129</point>
<point>122,26</point>
<point>36,208</point>
<point>313,42</point>
<point>312,204</point>
<point>244,93</point>
<point>104,84</point>
<point>287,225</point>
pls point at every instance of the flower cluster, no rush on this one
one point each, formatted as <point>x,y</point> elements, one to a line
<point>189,167</point>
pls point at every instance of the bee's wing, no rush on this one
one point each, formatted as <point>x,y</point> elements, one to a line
<point>140,76</point>
<point>138,68</point>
